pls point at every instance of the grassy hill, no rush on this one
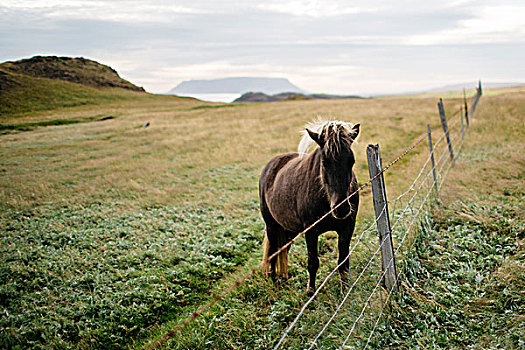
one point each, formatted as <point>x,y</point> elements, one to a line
<point>46,83</point>
<point>76,70</point>
<point>112,234</point>
<point>46,91</point>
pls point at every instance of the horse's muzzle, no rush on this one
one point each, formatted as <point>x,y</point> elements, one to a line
<point>342,211</point>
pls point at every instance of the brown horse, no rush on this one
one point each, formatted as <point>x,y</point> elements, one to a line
<point>296,189</point>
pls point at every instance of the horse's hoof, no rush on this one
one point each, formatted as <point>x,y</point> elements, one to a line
<point>344,286</point>
<point>310,291</point>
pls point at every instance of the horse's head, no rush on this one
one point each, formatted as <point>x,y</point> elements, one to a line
<point>337,159</point>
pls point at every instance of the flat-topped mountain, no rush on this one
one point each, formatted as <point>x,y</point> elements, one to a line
<point>76,70</point>
<point>235,86</point>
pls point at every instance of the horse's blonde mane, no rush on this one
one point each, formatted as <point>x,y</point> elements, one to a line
<point>334,129</point>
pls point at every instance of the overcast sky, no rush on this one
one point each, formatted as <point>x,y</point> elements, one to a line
<point>345,47</point>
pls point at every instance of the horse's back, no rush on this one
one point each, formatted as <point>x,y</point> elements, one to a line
<point>279,185</point>
<point>271,170</point>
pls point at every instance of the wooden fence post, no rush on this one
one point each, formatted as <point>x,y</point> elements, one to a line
<point>382,217</point>
<point>461,116</point>
<point>432,158</point>
<point>466,107</point>
<point>445,127</point>
<point>479,92</point>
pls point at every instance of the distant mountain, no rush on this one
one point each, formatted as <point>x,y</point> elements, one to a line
<point>288,96</point>
<point>235,86</point>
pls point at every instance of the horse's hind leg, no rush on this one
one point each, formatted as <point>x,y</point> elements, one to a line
<point>272,248</point>
<point>276,238</point>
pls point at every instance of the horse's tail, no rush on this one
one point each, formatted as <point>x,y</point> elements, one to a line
<point>265,264</point>
<point>281,266</point>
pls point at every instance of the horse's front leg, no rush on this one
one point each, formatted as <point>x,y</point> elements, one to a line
<point>313,260</point>
<point>343,245</point>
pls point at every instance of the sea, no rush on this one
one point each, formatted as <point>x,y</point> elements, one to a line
<point>214,97</point>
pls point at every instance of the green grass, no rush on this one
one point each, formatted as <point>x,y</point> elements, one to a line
<point>29,94</point>
<point>464,277</point>
<point>112,235</point>
<point>90,277</point>
<point>464,281</point>
<point>25,95</point>
<point>31,126</point>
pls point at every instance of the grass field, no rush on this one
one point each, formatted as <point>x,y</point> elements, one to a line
<point>112,234</point>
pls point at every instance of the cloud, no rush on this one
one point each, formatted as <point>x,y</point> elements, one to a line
<point>491,24</point>
<point>326,46</point>
<point>315,8</point>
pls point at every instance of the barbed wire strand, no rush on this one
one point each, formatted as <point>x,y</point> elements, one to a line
<point>441,157</point>
<point>434,151</point>
<point>411,187</point>
<point>443,154</point>
<point>434,146</point>
<point>455,113</point>
<point>398,219</point>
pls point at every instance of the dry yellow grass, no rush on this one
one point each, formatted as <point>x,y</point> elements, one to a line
<point>495,145</point>
<point>191,153</point>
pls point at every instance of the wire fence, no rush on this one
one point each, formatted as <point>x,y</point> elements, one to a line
<point>406,211</point>
<point>416,198</point>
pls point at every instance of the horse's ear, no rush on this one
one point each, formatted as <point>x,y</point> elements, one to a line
<point>315,136</point>
<point>355,130</point>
